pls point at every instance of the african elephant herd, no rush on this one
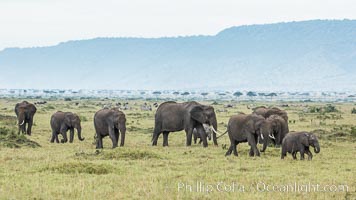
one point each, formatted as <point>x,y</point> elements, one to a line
<point>264,126</point>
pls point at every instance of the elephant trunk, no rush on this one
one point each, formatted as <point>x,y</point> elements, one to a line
<point>21,122</point>
<point>79,130</point>
<point>316,147</point>
<point>122,129</point>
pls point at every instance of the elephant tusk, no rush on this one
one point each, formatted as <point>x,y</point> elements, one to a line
<point>271,136</point>
<point>262,136</point>
<point>220,134</point>
<point>22,123</point>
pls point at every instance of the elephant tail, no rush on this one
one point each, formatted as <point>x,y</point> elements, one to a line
<point>156,131</point>
<point>222,134</point>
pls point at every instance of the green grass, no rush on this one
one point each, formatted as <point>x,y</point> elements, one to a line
<point>140,171</point>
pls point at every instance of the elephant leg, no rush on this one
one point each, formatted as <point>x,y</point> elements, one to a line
<point>99,141</point>
<point>284,153</point>
<point>63,131</point>
<point>56,137</point>
<point>294,154</point>
<point>155,138</point>
<point>302,151</point>
<point>189,133</point>
<point>251,138</point>
<point>251,152</point>
<point>201,132</point>
<point>112,136</point>
<point>234,148</point>
<point>165,138</point>
<point>229,151</point>
<point>53,136</point>
<point>310,155</point>
<point>71,135</point>
<point>195,139</point>
<point>200,140</point>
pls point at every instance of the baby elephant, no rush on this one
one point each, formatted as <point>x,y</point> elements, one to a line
<point>299,141</point>
<point>61,122</point>
<point>197,135</point>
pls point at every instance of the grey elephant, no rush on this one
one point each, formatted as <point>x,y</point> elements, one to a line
<point>245,128</point>
<point>196,135</point>
<point>276,128</point>
<point>299,142</point>
<point>25,112</point>
<point>61,122</point>
<point>171,117</point>
<point>109,122</point>
<point>267,112</point>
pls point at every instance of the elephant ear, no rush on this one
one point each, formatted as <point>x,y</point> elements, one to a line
<point>68,120</point>
<point>197,113</point>
<point>305,139</point>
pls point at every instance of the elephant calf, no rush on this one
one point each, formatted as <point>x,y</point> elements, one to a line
<point>196,135</point>
<point>61,122</point>
<point>299,141</point>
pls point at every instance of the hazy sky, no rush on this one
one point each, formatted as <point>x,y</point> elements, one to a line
<point>27,23</point>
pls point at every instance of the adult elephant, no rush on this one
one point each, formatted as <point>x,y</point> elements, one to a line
<point>276,128</point>
<point>267,112</point>
<point>171,117</point>
<point>245,128</point>
<point>110,122</point>
<point>61,122</point>
<point>25,112</point>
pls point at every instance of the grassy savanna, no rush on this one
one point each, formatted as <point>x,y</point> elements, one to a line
<point>140,171</point>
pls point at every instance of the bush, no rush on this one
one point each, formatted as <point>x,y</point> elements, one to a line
<point>322,110</point>
<point>8,138</point>
<point>353,111</point>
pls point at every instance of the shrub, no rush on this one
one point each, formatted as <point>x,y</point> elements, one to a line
<point>353,111</point>
<point>8,138</point>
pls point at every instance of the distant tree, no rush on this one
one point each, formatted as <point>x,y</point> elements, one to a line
<point>204,94</point>
<point>185,94</point>
<point>272,94</point>
<point>157,93</point>
<point>251,94</point>
<point>238,94</point>
<point>175,93</point>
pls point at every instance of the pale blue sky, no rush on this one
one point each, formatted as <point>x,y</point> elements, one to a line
<point>26,23</point>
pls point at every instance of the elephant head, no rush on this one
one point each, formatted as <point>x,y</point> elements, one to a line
<point>72,121</point>
<point>205,115</point>
<point>310,139</point>
<point>20,112</point>
<point>274,128</point>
